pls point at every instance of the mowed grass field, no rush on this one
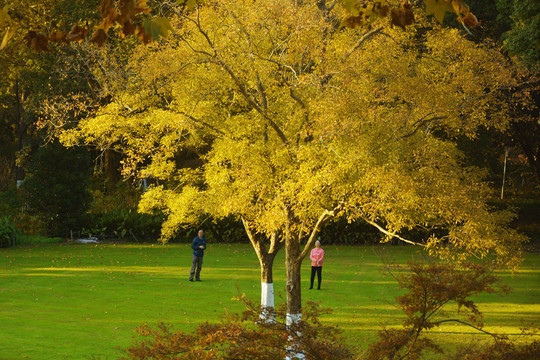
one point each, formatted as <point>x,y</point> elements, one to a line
<point>84,301</point>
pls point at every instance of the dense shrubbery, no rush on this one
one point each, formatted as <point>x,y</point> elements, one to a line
<point>9,202</point>
<point>224,230</point>
<point>8,232</point>
<point>113,215</point>
<point>26,240</point>
<point>244,336</point>
<point>124,225</point>
<point>342,232</point>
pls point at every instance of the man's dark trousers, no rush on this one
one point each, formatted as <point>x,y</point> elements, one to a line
<point>196,264</point>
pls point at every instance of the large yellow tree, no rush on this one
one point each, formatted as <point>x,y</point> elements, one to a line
<point>297,119</point>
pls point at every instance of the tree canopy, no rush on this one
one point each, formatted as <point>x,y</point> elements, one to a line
<point>297,119</point>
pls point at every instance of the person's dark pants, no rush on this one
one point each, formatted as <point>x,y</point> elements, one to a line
<point>196,264</point>
<point>318,270</point>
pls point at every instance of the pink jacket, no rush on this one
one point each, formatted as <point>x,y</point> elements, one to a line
<point>316,255</point>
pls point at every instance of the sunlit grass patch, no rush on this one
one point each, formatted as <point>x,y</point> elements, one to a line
<point>80,301</point>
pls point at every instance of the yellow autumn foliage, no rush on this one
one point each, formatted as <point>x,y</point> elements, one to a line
<point>295,119</point>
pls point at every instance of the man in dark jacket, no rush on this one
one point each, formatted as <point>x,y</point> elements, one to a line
<point>198,245</point>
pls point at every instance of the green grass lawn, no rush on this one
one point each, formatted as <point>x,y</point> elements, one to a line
<point>85,301</point>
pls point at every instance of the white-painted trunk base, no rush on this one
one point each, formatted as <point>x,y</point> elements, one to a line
<point>293,319</point>
<point>292,349</point>
<point>267,303</point>
<point>267,294</point>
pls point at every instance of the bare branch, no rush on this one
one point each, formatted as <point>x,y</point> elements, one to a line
<point>464,323</point>
<point>199,27</point>
<point>386,232</point>
<point>296,98</point>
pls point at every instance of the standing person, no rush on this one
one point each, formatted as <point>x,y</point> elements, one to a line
<point>198,245</point>
<point>316,256</point>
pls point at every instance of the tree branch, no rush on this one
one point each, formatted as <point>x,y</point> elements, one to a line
<point>421,122</point>
<point>199,27</point>
<point>262,93</point>
<point>386,232</point>
<point>275,244</point>
<point>296,98</point>
<point>280,65</point>
<point>464,323</point>
<point>327,214</point>
<point>363,39</point>
<point>260,250</point>
<point>253,104</point>
<point>195,120</point>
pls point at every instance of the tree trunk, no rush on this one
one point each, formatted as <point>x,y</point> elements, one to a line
<point>111,165</point>
<point>20,128</point>
<point>293,262</point>
<point>267,288</point>
<point>293,265</point>
<point>266,259</point>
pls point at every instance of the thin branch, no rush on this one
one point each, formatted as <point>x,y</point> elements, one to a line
<point>464,323</point>
<point>386,232</point>
<point>296,98</point>
<point>279,64</point>
<point>363,39</point>
<point>201,99</point>
<point>174,74</point>
<point>421,122</point>
<point>199,27</point>
<point>332,7</point>
<point>195,120</point>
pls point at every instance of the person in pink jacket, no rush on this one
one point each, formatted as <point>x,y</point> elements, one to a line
<point>316,256</point>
